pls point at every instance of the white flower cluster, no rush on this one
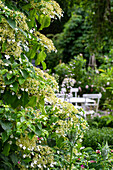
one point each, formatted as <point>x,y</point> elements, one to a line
<point>68,82</point>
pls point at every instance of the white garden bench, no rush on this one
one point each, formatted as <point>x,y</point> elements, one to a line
<point>92,96</point>
<point>66,96</point>
<point>72,91</point>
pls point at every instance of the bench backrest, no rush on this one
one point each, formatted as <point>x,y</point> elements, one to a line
<point>72,91</point>
<point>95,96</point>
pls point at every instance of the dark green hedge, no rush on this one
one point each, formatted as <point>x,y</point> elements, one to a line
<point>94,136</point>
<point>100,122</point>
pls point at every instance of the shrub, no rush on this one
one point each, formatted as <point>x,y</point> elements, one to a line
<point>101,158</point>
<point>99,122</point>
<point>37,130</point>
<point>94,136</point>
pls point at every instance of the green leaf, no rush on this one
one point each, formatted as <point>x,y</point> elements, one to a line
<point>32,53</point>
<point>14,65</point>
<point>9,76</point>
<point>22,119</point>
<point>47,21</point>
<point>31,23</point>
<point>88,149</point>
<point>7,61</point>
<point>27,160</point>
<point>39,125</point>
<point>24,73</point>
<point>32,13</point>
<point>38,132</point>
<point>10,81</point>
<point>15,87</point>
<point>53,119</point>
<point>32,127</point>
<point>26,7</point>
<point>6,149</point>
<point>32,101</point>
<point>3,47</point>
<point>44,21</point>
<point>24,98</point>
<point>4,136</point>
<point>36,16</point>
<point>14,158</point>
<point>44,65</point>
<point>40,18</point>
<point>12,23</point>
<point>3,71</point>
<point>40,58</point>
<point>18,124</point>
<point>10,99</point>
<point>21,81</point>
<point>6,125</point>
<point>8,164</point>
<point>31,135</point>
<point>0,18</point>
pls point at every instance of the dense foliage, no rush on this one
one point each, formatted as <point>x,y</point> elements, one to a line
<point>37,130</point>
<point>88,31</point>
<point>95,136</point>
<point>102,121</point>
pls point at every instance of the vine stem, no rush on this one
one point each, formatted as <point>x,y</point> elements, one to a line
<point>71,155</point>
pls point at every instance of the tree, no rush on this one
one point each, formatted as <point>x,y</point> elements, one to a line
<point>100,19</point>
<point>88,31</point>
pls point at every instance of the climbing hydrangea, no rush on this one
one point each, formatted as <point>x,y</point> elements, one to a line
<point>50,8</point>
